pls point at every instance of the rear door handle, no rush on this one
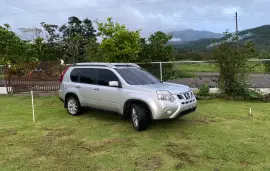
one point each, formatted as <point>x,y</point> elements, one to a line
<point>78,86</point>
<point>97,89</point>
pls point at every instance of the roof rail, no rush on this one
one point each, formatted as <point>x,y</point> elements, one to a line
<point>103,64</point>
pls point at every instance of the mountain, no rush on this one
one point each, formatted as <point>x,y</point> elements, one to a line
<point>259,35</point>
<point>193,35</point>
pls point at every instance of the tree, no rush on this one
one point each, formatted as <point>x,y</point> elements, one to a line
<point>74,51</point>
<point>93,52</point>
<point>52,35</point>
<point>118,43</point>
<point>232,61</point>
<point>12,48</point>
<point>75,36</point>
<point>54,48</point>
<point>31,34</point>
<point>157,49</point>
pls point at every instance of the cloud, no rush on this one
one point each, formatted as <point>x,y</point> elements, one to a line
<point>148,15</point>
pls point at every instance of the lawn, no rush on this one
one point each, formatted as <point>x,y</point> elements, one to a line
<point>2,76</point>
<point>219,136</point>
<point>211,67</point>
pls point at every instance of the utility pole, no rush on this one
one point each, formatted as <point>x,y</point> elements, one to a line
<point>236,20</point>
<point>236,25</point>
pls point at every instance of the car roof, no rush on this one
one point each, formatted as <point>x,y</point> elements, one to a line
<point>110,65</point>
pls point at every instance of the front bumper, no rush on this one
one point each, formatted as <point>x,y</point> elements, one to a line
<point>170,110</point>
<point>186,112</point>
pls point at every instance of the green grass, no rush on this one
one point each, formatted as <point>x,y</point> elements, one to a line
<point>210,67</point>
<point>220,135</point>
<point>2,76</point>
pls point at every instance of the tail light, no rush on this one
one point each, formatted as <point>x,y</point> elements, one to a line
<point>63,74</point>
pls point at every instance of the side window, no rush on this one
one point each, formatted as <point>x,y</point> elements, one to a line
<point>105,76</point>
<point>75,75</point>
<point>88,75</point>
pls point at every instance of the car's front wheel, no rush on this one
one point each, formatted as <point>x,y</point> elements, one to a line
<point>139,117</point>
<point>73,106</point>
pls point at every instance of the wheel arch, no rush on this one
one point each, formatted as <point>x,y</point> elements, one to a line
<point>128,104</point>
<point>69,95</point>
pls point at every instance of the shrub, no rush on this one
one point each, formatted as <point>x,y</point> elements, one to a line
<point>204,90</point>
<point>263,54</point>
<point>232,61</point>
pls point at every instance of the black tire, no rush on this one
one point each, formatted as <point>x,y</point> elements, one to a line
<point>74,109</point>
<point>142,117</point>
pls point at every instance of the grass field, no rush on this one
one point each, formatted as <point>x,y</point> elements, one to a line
<point>219,136</point>
<point>2,76</point>
<point>210,67</point>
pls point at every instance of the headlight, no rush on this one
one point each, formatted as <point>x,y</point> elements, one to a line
<point>165,95</point>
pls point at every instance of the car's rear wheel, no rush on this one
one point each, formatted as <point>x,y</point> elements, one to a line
<point>73,106</point>
<point>139,117</point>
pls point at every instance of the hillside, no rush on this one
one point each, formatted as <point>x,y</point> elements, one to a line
<point>193,35</point>
<point>259,35</point>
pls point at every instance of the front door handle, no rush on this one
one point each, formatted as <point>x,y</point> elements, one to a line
<point>97,89</point>
<point>78,86</point>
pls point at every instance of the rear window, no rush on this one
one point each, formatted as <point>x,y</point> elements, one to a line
<point>88,75</point>
<point>84,75</point>
<point>75,75</point>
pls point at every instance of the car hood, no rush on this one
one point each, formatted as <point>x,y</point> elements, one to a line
<point>171,87</point>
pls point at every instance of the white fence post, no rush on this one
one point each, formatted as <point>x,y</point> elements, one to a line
<point>33,108</point>
<point>160,69</point>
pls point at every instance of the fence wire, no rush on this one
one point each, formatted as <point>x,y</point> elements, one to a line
<point>197,73</point>
<point>44,76</point>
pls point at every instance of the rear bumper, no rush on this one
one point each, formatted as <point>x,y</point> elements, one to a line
<point>61,99</point>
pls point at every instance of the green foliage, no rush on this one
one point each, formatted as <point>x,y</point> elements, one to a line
<point>196,56</point>
<point>204,90</point>
<point>118,43</point>
<point>12,48</point>
<point>75,37</point>
<point>93,52</point>
<point>232,63</point>
<point>156,49</point>
<point>263,54</point>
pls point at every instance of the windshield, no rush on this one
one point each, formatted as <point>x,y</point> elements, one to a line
<point>137,76</point>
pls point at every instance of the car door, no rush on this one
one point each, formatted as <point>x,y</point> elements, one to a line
<point>87,86</point>
<point>109,98</point>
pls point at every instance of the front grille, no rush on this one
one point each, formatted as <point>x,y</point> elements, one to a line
<point>187,95</point>
<point>180,96</point>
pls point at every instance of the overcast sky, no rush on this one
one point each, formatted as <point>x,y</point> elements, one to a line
<point>148,15</point>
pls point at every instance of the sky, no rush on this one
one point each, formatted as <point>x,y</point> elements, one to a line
<point>147,15</point>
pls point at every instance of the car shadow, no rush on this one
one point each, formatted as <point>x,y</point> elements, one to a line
<point>102,115</point>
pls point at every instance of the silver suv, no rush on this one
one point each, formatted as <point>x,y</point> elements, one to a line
<point>126,89</point>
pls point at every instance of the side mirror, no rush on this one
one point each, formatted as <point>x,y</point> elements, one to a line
<point>113,84</point>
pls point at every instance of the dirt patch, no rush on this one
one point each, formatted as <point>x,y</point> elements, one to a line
<point>99,146</point>
<point>50,103</point>
<point>244,163</point>
<point>59,132</point>
<point>201,121</point>
<point>6,133</point>
<point>149,163</point>
<point>184,152</point>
